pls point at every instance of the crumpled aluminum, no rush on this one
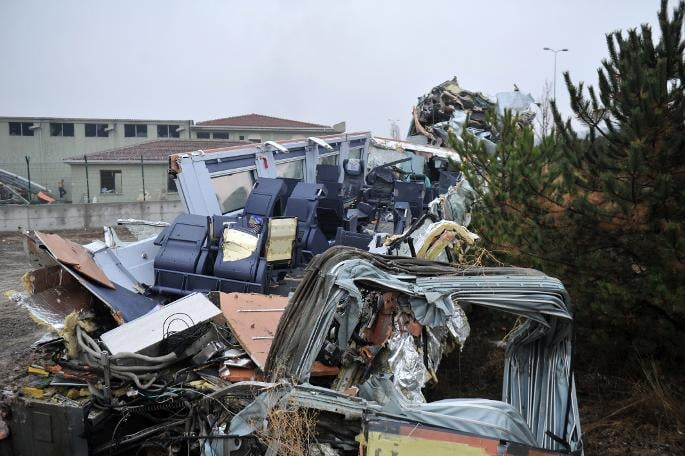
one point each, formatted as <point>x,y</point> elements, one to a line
<point>407,366</point>
<point>458,325</point>
<point>458,202</point>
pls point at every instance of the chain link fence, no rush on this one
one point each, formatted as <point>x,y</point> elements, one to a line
<point>27,181</point>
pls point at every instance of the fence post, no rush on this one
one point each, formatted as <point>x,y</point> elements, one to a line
<point>142,173</point>
<point>28,173</point>
<point>85,159</point>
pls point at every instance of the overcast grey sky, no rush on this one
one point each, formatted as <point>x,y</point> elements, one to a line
<point>319,61</point>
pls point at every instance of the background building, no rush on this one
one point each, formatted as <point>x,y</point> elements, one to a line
<point>258,128</point>
<point>122,174</point>
<point>48,141</point>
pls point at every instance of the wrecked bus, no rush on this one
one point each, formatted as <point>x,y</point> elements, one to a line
<point>259,323</point>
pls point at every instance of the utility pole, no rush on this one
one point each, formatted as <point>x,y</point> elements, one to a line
<point>85,160</point>
<point>28,175</point>
<point>556,51</point>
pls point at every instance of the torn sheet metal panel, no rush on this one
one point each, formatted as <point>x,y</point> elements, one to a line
<point>75,255</point>
<point>129,265</point>
<point>52,294</point>
<point>539,382</point>
<point>147,331</point>
<point>124,304</point>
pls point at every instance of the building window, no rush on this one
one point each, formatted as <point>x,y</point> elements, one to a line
<point>96,130</point>
<point>242,138</point>
<point>220,135</point>
<point>21,129</point>
<point>171,184</point>
<point>61,129</point>
<point>291,170</point>
<point>135,131</point>
<point>167,131</point>
<point>232,190</point>
<point>202,135</point>
<point>110,182</point>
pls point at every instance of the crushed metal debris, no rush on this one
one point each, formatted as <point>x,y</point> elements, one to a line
<point>303,307</point>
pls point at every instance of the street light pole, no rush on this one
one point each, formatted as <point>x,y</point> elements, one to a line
<point>556,51</point>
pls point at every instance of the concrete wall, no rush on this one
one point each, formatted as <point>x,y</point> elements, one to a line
<point>48,152</point>
<point>53,217</point>
<point>156,175</point>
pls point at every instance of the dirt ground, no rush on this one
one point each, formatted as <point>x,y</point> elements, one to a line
<point>619,416</point>
<point>17,330</point>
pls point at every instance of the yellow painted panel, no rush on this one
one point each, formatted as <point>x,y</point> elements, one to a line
<point>383,444</point>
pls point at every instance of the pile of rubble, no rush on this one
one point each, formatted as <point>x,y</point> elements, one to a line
<point>351,351</point>
<point>209,337</point>
<point>449,108</point>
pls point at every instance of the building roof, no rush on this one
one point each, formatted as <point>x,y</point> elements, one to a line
<point>258,120</point>
<point>157,150</point>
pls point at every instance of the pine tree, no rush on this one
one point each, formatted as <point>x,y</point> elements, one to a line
<point>603,210</point>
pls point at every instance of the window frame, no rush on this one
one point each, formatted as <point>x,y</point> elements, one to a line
<point>97,129</point>
<point>24,128</point>
<point>114,175</point>
<point>288,162</point>
<point>202,135</point>
<point>171,184</point>
<point>58,129</point>
<point>170,131</point>
<point>250,171</point>
<point>221,135</point>
<point>137,129</point>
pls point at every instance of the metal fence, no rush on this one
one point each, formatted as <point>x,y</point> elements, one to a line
<point>28,181</point>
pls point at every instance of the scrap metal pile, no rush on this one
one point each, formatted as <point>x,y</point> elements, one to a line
<point>296,316</point>
<point>449,108</point>
<point>346,358</point>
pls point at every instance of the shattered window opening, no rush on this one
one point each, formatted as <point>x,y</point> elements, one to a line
<point>329,159</point>
<point>202,135</point>
<point>355,154</point>
<point>291,169</point>
<point>110,182</point>
<point>232,190</point>
<point>220,135</point>
<point>96,130</point>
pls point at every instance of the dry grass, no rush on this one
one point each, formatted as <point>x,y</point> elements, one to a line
<point>640,417</point>
<point>290,431</point>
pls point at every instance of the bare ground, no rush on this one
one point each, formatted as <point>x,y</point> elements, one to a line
<point>17,330</point>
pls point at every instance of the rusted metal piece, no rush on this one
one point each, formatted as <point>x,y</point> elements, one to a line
<point>253,321</point>
<point>75,255</point>
<point>382,327</point>
<point>415,328</point>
